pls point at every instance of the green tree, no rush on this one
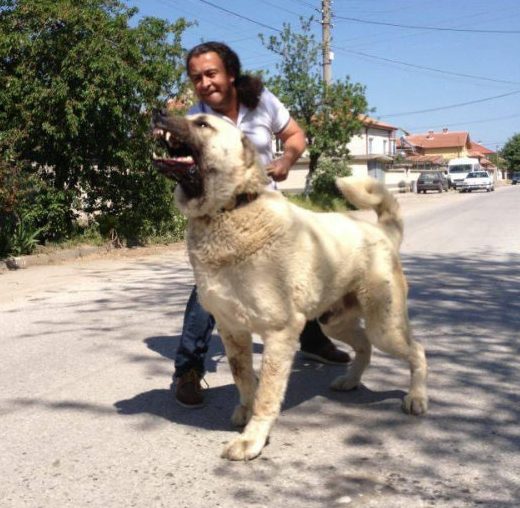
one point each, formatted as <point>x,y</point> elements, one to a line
<point>511,153</point>
<point>329,114</point>
<point>76,83</point>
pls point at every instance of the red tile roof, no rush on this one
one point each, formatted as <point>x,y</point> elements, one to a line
<point>444,139</point>
<point>372,122</point>
<point>481,149</point>
<point>487,163</point>
<point>434,159</point>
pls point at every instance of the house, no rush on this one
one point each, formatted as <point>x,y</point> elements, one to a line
<point>373,148</point>
<point>370,153</point>
<point>484,156</point>
<point>433,150</point>
<point>446,144</point>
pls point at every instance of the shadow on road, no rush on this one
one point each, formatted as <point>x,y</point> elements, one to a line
<point>308,380</point>
<point>466,310</point>
<point>456,290</point>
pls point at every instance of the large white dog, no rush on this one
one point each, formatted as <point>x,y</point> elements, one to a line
<point>263,265</point>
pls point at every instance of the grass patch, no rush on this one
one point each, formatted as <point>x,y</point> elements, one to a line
<point>320,202</point>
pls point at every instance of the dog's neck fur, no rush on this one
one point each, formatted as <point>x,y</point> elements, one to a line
<point>231,236</point>
<point>240,200</point>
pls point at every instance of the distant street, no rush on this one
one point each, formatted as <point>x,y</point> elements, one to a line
<point>87,418</point>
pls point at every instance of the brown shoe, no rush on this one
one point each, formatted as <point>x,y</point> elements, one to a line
<point>188,390</point>
<point>329,354</point>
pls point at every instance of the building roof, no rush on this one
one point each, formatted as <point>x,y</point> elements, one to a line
<point>372,157</point>
<point>481,149</point>
<point>443,139</point>
<point>432,159</point>
<point>486,163</point>
<point>372,122</point>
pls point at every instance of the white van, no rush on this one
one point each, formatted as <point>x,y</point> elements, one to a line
<point>459,168</point>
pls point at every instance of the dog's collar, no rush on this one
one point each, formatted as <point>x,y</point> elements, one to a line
<point>240,200</point>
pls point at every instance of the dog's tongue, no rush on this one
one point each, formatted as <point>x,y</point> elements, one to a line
<point>185,171</point>
<point>178,168</point>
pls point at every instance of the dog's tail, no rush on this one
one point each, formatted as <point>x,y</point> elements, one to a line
<point>366,192</point>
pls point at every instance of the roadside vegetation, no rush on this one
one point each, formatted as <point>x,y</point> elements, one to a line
<point>510,153</point>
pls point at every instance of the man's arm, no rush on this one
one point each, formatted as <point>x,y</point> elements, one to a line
<point>294,143</point>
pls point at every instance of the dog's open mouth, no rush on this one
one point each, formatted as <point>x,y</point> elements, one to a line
<point>177,160</point>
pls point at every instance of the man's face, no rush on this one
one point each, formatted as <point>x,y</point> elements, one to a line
<point>213,85</point>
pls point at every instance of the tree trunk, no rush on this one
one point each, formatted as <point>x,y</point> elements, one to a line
<point>313,164</point>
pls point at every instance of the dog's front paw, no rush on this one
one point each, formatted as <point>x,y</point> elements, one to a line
<point>345,383</point>
<point>415,404</point>
<point>241,416</point>
<point>243,449</point>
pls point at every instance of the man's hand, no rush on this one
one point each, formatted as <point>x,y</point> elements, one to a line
<point>278,169</point>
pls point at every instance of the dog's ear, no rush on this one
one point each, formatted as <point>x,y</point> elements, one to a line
<point>249,151</point>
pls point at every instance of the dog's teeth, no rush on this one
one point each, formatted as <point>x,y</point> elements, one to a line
<point>167,135</point>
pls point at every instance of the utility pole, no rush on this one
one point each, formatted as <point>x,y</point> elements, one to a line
<point>327,55</point>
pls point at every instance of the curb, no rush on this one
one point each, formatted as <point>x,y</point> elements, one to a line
<point>19,262</point>
<point>83,251</point>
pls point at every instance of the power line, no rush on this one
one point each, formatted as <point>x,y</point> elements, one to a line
<point>366,55</point>
<point>403,63</point>
<point>393,115</point>
<point>423,67</point>
<point>240,16</point>
<point>417,27</point>
<point>302,2</point>
<point>469,122</point>
<point>280,8</point>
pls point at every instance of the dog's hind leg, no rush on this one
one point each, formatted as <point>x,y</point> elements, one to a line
<point>347,328</point>
<point>239,352</point>
<point>279,349</point>
<point>388,329</point>
<point>343,323</point>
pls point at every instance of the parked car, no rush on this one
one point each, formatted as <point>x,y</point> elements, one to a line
<point>431,180</point>
<point>515,178</point>
<point>478,180</point>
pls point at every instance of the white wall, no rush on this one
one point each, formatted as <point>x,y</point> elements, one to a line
<point>360,144</point>
<point>358,168</point>
<point>358,147</point>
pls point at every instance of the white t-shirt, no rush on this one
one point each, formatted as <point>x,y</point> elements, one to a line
<point>259,124</point>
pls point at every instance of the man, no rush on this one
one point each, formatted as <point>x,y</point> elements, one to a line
<point>215,72</point>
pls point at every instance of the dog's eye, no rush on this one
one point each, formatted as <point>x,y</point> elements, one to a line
<point>202,123</point>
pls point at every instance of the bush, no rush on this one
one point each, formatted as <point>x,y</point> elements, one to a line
<point>323,184</point>
<point>47,209</point>
<point>7,227</point>
<point>146,212</point>
<point>24,239</point>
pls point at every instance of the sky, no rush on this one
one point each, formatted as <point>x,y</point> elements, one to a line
<point>426,64</point>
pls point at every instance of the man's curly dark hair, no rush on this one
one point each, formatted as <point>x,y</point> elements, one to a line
<point>249,88</point>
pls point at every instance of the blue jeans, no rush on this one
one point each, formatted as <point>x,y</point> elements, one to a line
<point>197,329</point>
<point>196,334</point>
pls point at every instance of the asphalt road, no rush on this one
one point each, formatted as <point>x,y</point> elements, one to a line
<point>87,418</point>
